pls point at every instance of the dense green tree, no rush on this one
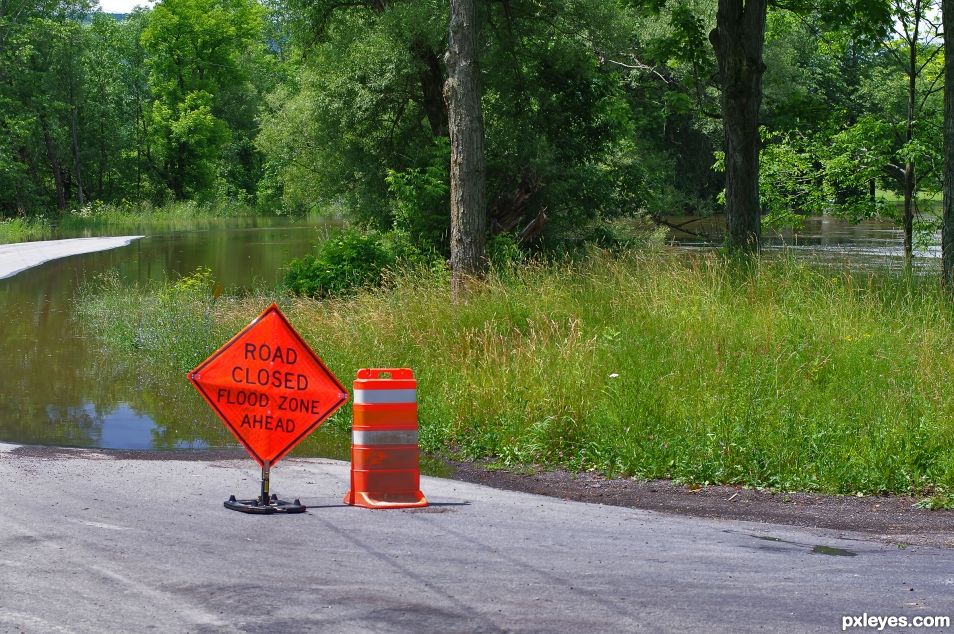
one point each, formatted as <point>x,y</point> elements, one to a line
<point>591,110</point>
<point>362,124</point>
<point>848,115</point>
<point>112,126</point>
<point>198,53</point>
<point>916,51</point>
<point>38,101</point>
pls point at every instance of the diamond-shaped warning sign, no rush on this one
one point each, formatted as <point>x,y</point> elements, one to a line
<point>268,387</point>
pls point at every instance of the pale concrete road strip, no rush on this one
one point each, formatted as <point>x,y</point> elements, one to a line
<point>16,258</point>
<point>94,544</point>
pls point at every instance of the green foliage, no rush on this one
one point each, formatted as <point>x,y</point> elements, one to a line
<point>504,251</point>
<point>837,102</point>
<point>341,265</point>
<point>420,204</point>
<point>25,229</point>
<point>824,175</point>
<point>363,122</point>
<point>199,281</point>
<point>594,111</point>
<point>645,364</point>
<point>198,53</point>
<point>937,502</point>
<point>160,104</point>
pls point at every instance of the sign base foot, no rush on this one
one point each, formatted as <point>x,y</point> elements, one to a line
<point>272,506</point>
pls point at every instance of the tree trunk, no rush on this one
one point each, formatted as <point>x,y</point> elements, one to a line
<point>77,163</point>
<point>54,166</point>
<point>947,228</point>
<point>467,171</point>
<point>177,172</point>
<point>22,207</point>
<point>432,82</point>
<point>738,40</point>
<point>907,219</point>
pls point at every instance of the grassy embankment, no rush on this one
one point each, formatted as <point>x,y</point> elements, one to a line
<point>649,365</point>
<point>25,229</point>
<point>121,218</point>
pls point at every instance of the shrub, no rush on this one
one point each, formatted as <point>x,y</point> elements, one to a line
<point>343,264</point>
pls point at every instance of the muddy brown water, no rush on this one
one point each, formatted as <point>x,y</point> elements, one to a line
<point>58,389</point>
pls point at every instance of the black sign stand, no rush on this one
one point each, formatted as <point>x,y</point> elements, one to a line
<point>265,504</point>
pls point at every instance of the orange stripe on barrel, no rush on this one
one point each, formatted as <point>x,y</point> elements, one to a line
<point>398,415</point>
<point>364,458</point>
<point>387,482</point>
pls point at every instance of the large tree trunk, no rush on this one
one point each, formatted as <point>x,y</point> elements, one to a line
<point>738,40</point>
<point>467,172</point>
<point>947,229</point>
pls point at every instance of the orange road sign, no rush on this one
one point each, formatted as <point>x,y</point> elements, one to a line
<point>268,387</point>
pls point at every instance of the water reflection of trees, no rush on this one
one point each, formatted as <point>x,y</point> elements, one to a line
<point>181,417</point>
<point>59,389</point>
<point>26,312</point>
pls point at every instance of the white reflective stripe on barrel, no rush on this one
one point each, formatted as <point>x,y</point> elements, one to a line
<point>379,397</point>
<point>397,437</point>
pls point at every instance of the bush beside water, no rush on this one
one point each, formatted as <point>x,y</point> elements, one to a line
<point>649,365</point>
<point>348,261</point>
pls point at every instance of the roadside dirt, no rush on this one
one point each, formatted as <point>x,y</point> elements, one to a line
<point>892,519</point>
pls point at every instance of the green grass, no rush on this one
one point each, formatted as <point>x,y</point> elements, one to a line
<point>24,229</point>
<point>928,202</point>
<point>146,217</point>
<point>652,365</point>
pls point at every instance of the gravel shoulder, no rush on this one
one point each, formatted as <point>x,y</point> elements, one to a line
<point>888,518</point>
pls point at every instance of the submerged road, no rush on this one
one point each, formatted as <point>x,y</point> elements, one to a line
<point>92,542</point>
<point>16,258</point>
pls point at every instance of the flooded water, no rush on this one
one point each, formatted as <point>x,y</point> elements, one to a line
<point>58,389</point>
<point>867,245</point>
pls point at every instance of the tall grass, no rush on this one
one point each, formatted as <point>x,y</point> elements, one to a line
<point>98,219</point>
<point>104,219</point>
<point>648,365</point>
<point>24,229</point>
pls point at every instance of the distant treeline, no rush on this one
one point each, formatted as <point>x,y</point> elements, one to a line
<point>593,110</point>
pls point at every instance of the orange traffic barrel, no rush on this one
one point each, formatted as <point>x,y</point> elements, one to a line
<point>385,459</point>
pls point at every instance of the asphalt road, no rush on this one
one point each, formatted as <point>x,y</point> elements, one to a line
<point>90,543</point>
